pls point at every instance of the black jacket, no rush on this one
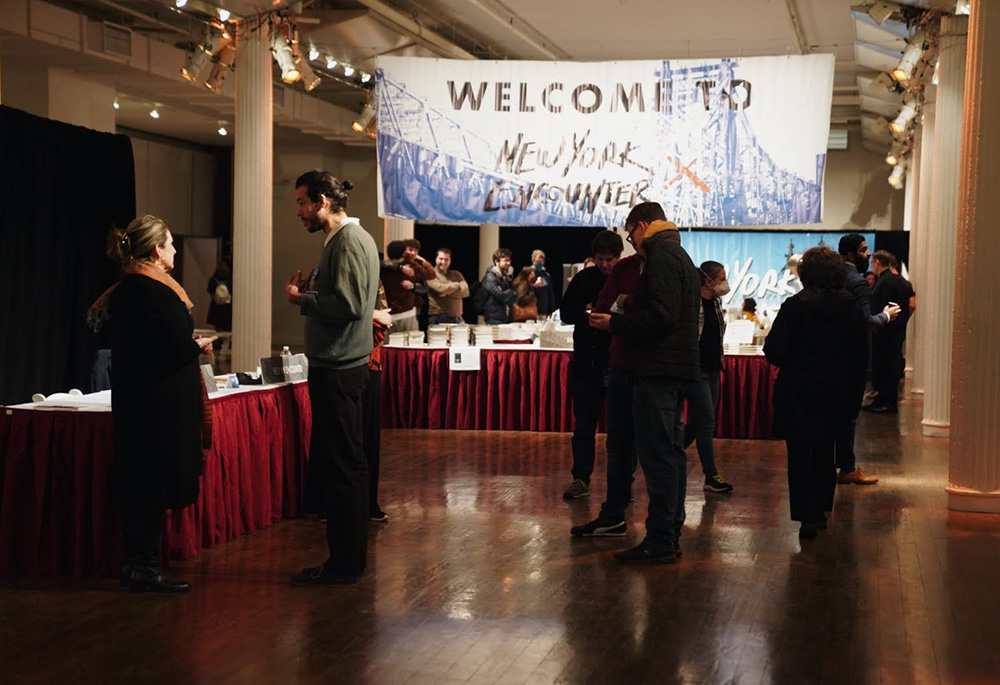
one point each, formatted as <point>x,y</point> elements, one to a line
<point>820,342</point>
<point>890,287</point>
<point>590,346</point>
<point>500,297</point>
<point>661,326</point>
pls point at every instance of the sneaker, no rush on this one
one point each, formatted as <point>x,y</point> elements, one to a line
<point>320,575</point>
<point>378,516</point>
<point>717,483</point>
<point>856,477</point>
<point>599,528</point>
<point>576,490</point>
<point>641,554</point>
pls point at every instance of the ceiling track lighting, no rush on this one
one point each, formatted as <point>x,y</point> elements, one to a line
<point>365,119</point>
<point>348,70</point>
<point>879,11</point>
<point>221,67</point>
<point>283,55</point>
<point>905,117</point>
<point>313,54</point>
<point>224,14</point>
<point>201,54</point>
<point>898,175</point>
<point>365,77</point>
<point>331,63</point>
<point>916,47</point>
<point>896,152</point>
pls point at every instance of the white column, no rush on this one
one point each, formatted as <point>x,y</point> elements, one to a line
<point>911,222</point>
<point>974,468</point>
<point>919,329</point>
<point>939,301</point>
<point>489,242</point>
<point>252,202</point>
<point>396,229</point>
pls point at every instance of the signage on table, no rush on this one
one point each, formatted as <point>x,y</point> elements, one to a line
<point>722,142</point>
<point>208,375</point>
<point>288,368</point>
<point>757,261</point>
<point>464,359</point>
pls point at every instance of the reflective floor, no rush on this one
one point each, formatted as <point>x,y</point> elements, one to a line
<point>476,580</point>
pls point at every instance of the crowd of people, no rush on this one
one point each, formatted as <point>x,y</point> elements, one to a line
<point>648,338</point>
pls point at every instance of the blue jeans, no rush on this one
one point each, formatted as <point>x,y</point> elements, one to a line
<point>621,444</point>
<point>702,401</point>
<point>659,438</point>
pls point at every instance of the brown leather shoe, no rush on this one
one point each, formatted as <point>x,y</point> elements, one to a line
<point>856,477</point>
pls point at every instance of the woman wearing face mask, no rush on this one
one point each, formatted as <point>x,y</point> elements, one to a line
<point>704,395</point>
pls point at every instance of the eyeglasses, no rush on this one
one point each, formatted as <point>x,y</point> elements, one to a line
<point>629,237</point>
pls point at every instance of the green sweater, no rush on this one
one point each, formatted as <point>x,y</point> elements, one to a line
<point>339,314</point>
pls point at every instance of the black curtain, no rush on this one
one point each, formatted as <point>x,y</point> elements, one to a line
<point>62,188</point>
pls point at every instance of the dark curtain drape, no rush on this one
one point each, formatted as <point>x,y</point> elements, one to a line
<point>62,188</point>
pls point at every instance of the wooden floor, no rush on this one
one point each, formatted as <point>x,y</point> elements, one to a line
<point>476,580</point>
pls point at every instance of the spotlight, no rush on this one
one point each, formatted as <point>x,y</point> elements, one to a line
<point>221,68</point>
<point>223,131</point>
<point>286,60</point>
<point>155,113</point>
<point>362,122</point>
<point>223,14</point>
<point>180,3</point>
<point>905,116</point>
<point>201,54</point>
<point>313,54</point>
<point>898,175</point>
<point>896,153</point>
<point>331,63</point>
<point>309,78</point>
<point>117,105</point>
<point>879,10</point>
<point>348,70</point>
<point>915,48</point>
<point>365,77</point>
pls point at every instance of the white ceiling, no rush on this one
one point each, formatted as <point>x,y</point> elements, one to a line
<point>581,30</point>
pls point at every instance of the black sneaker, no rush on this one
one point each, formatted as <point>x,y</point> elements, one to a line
<point>378,516</point>
<point>320,575</point>
<point>641,554</point>
<point>599,528</point>
<point>717,483</point>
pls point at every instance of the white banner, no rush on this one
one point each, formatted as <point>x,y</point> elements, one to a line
<point>727,142</point>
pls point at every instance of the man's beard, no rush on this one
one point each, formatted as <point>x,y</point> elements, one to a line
<point>314,225</point>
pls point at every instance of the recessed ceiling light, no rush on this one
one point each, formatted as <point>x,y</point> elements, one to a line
<point>155,113</point>
<point>117,104</point>
<point>223,131</point>
<point>348,70</point>
<point>313,54</point>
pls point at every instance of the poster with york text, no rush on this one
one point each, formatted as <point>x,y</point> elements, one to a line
<point>718,142</point>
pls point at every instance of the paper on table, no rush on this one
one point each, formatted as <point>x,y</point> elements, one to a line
<point>62,399</point>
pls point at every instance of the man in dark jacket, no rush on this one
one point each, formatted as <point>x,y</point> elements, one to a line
<point>854,249</point>
<point>887,346</point>
<point>590,357</point>
<point>661,339</point>
<point>500,292</point>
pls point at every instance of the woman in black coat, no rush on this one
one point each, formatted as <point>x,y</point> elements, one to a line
<point>819,341</point>
<point>156,395</point>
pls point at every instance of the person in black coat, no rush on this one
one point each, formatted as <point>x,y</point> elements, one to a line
<point>498,305</point>
<point>157,399</point>
<point>888,363</point>
<point>820,342</point>
<point>590,357</point>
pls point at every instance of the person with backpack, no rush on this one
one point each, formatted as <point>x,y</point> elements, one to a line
<point>497,304</point>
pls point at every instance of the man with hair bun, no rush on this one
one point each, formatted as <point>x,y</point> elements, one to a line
<point>338,341</point>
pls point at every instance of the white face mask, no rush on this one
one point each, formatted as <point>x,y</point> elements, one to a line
<point>721,289</point>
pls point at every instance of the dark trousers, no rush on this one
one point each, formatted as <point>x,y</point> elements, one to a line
<point>337,478</point>
<point>620,444</point>
<point>844,450</point>
<point>887,368</point>
<point>587,388</point>
<point>142,523</point>
<point>373,434</point>
<point>812,479</point>
<point>702,401</point>
<point>659,439</point>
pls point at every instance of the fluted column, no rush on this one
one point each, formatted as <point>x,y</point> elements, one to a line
<point>912,221</point>
<point>974,469</point>
<point>918,329</point>
<point>939,301</point>
<point>252,197</point>
<point>489,242</point>
<point>396,229</point>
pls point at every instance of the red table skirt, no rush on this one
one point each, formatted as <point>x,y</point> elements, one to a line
<point>528,390</point>
<point>58,514</point>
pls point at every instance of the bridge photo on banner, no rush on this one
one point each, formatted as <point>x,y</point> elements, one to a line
<point>726,142</point>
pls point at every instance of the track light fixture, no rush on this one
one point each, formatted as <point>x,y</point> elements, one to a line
<point>201,54</point>
<point>282,50</point>
<point>896,152</point>
<point>905,116</point>
<point>365,77</point>
<point>313,54</point>
<point>224,14</point>
<point>348,70</point>
<point>331,63</point>
<point>365,119</point>
<point>915,49</point>
<point>221,67</point>
<point>879,11</point>
<point>898,175</point>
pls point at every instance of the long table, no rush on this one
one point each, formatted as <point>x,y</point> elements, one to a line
<point>528,390</point>
<point>58,514</point>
